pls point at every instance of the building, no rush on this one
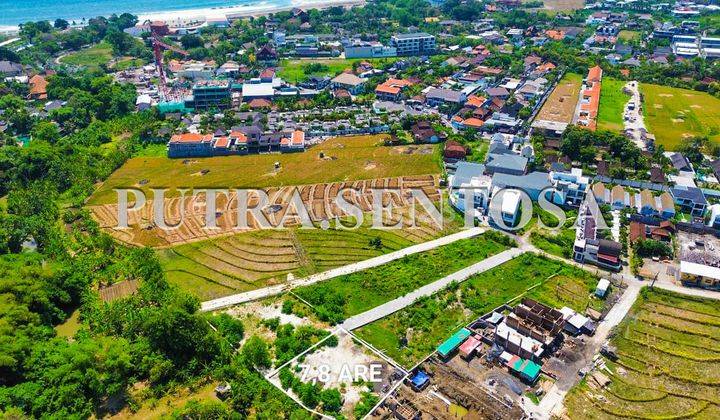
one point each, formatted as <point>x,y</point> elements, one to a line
<point>470,184</point>
<point>350,82</point>
<point>208,94</point>
<point>190,145</point>
<point>439,96</point>
<point>238,141</point>
<point>588,249</point>
<point>570,187</point>
<point>10,69</point>
<point>38,87</point>
<point>293,143</point>
<point>419,43</point>
<point>590,99</point>
<point>369,50</point>
<point>391,89</point>
<point>699,275</point>
<point>690,200</point>
<point>507,163</point>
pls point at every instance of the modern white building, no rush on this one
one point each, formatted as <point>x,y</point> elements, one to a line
<point>418,43</point>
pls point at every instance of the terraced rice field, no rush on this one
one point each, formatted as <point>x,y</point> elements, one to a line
<point>251,260</point>
<point>668,365</point>
<point>320,201</point>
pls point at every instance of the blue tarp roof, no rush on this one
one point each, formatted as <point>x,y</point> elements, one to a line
<point>419,379</point>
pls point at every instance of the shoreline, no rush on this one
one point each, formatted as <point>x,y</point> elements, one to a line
<point>262,8</point>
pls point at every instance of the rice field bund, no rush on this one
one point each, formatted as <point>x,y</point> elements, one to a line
<point>673,114</point>
<point>668,364</point>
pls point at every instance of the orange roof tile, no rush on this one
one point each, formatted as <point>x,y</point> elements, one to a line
<point>191,138</point>
<point>473,122</point>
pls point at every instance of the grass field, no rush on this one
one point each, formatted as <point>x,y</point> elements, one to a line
<point>612,104</point>
<point>94,56</point>
<point>429,321</point>
<point>362,291</point>
<point>128,62</point>
<point>558,243</point>
<point>673,114</point>
<point>668,365</point>
<point>251,260</point>
<point>626,35</point>
<point>295,70</point>
<point>346,159</point>
<point>560,106</point>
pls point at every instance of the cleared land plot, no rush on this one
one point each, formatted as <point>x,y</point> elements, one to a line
<point>320,202</point>
<point>673,114</point>
<point>346,159</point>
<point>429,321</point>
<point>612,104</point>
<point>251,260</point>
<point>668,365</point>
<point>626,35</point>
<point>560,106</point>
<point>94,56</point>
<point>299,70</point>
<point>349,295</point>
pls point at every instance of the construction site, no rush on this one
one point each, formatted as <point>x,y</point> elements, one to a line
<point>492,367</point>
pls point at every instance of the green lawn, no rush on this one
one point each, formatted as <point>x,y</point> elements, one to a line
<point>429,321</point>
<point>668,366</point>
<point>128,62</point>
<point>94,56</point>
<point>626,35</point>
<point>673,114</point>
<point>355,293</point>
<point>296,70</point>
<point>347,159</point>
<point>612,103</point>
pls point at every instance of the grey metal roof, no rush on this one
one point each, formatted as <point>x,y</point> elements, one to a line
<point>508,161</point>
<point>689,193</point>
<point>536,181</point>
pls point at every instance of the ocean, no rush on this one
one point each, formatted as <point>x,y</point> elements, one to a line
<point>14,12</point>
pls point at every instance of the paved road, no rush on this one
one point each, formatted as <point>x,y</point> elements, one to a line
<point>388,308</point>
<point>252,295</point>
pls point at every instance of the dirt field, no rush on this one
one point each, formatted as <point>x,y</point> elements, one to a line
<point>318,199</point>
<point>345,159</point>
<point>456,390</point>
<point>669,355</point>
<point>560,106</point>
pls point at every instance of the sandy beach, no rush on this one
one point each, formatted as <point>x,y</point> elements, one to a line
<point>180,17</point>
<point>259,9</point>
